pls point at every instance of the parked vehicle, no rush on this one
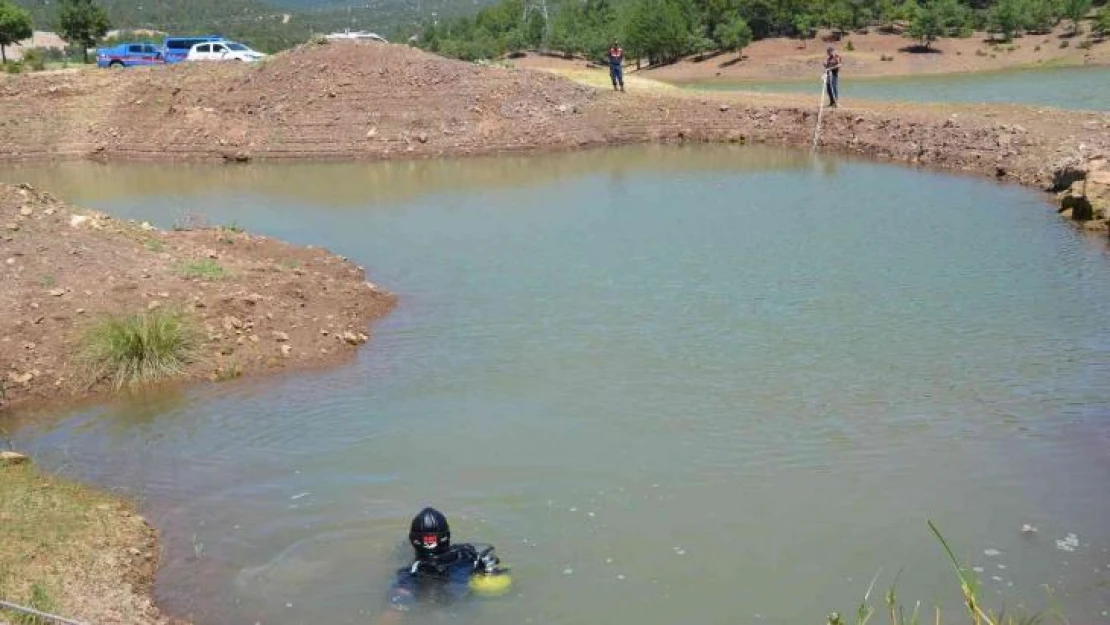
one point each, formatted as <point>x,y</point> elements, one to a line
<point>177,49</point>
<point>223,51</point>
<point>356,35</point>
<point>129,54</point>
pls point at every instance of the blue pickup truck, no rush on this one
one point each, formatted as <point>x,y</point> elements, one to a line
<point>129,55</point>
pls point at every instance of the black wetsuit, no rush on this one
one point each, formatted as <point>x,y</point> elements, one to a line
<point>441,578</point>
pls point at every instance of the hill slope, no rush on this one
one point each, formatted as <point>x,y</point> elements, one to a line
<point>383,101</point>
<point>267,24</point>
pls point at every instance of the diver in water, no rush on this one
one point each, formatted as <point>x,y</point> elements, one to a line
<point>441,571</point>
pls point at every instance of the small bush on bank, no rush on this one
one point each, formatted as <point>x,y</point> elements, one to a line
<point>132,350</point>
<point>34,59</point>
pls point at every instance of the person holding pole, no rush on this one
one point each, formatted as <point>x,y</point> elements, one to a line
<point>832,76</point>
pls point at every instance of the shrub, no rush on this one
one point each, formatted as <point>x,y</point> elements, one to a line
<point>849,47</point>
<point>13,67</point>
<point>34,59</point>
<point>136,349</point>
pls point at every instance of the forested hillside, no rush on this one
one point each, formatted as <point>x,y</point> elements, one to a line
<point>664,30</point>
<point>267,24</point>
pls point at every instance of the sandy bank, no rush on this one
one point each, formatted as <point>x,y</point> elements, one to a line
<point>259,304</point>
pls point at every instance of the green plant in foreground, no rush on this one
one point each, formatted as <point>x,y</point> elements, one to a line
<point>40,600</point>
<point>203,268</point>
<point>136,349</point>
<point>969,588</point>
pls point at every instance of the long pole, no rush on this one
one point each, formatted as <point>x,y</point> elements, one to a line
<point>34,612</point>
<point>820,108</point>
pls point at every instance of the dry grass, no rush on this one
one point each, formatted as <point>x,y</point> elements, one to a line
<point>65,549</point>
<point>599,78</point>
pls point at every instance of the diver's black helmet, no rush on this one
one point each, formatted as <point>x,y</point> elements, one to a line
<point>430,534</point>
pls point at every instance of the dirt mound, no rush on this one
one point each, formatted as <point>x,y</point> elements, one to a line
<point>373,101</point>
<point>324,99</point>
<point>261,304</point>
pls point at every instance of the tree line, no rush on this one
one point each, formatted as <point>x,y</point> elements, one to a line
<point>260,23</point>
<point>662,31</point>
<point>81,22</point>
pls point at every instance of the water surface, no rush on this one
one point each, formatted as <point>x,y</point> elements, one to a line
<point>705,385</point>
<point>1086,88</point>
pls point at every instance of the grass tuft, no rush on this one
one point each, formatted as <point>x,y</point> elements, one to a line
<point>40,600</point>
<point>138,349</point>
<point>969,588</point>
<point>205,268</point>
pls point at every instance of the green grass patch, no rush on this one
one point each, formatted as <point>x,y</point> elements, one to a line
<point>133,350</point>
<point>155,246</point>
<point>205,268</point>
<point>40,600</point>
<point>53,535</point>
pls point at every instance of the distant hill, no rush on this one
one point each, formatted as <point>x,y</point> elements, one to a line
<point>266,24</point>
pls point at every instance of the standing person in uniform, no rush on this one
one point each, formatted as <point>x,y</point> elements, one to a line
<point>616,71</point>
<point>832,76</point>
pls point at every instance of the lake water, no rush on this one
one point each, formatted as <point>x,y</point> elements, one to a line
<point>1086,88</point>
<point>702,385</point>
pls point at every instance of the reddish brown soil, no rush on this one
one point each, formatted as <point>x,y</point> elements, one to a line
<point>277,306</point>
<point>386,101</point>
<point>783,59</point>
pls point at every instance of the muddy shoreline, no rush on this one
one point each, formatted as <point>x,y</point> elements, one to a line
<point>374,101</point>
<point>370,102</point>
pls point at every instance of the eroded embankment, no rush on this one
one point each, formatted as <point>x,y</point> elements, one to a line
<point>256,304</point>
<point>383,101</point>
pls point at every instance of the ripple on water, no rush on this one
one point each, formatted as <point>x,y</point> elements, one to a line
<point>807,362</point>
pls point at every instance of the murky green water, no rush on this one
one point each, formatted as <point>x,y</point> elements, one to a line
<point>671,385</point>
<point>1085,88</point>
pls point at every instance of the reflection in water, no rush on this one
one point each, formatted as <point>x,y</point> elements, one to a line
<point>715,385</point>
<point>355,184</point>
